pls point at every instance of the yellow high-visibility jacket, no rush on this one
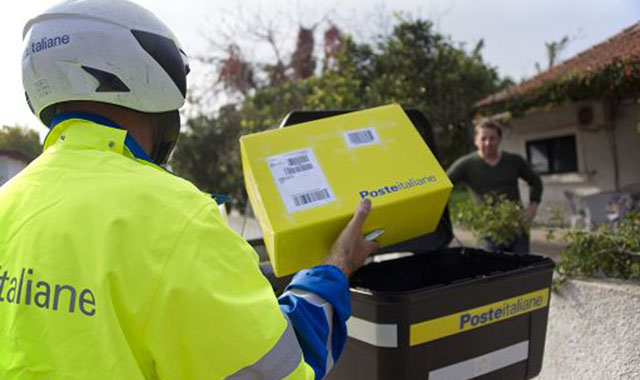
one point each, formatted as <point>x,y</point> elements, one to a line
<point>113,268</point>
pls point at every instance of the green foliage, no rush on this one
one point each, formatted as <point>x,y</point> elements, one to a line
<point>554,49</point>
<point>207,154</point>
<point>495,218</point>
<point>554,222</point>
<point>612,252</point>
<point>459,197</point>
<point>21,138</point>
<point>414,66</point>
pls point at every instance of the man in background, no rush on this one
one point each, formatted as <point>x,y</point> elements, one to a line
<point>490,171</point>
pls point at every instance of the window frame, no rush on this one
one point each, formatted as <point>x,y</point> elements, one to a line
<point>550,153</point>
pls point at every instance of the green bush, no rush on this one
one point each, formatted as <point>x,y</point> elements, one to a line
<point>460,195</point>
<point>612,252</point>
<point>495,218</point>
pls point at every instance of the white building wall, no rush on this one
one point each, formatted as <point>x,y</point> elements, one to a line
<point>9,167</point>
<point>593,149</point>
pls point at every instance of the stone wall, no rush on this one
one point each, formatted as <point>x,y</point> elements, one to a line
<point>593,332</point>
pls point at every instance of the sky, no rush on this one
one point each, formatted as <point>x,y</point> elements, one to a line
<point>514,31</point>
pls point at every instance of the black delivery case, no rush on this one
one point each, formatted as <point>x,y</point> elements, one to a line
<point>439,313</point>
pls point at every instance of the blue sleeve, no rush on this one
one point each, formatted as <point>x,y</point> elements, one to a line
<point>320,323</point>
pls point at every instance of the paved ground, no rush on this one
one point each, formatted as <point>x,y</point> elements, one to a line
<point>250,229</point>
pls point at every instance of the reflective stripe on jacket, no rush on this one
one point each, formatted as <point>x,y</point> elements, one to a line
<point>112,268</point>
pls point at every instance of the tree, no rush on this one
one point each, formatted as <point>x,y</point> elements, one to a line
<point>419,67</point>
<point>207,154</point>
<point>236,74</point>
<point>553,49</point>
<point>332,47</point>
<point>21,138</point>
<point>302,61</point>
<point>414,66</point>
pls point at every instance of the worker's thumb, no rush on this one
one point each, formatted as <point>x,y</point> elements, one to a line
<point>361,214</point>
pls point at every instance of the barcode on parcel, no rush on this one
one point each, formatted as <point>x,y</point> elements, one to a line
<point>297,169</point>
<point>294,161</point>
<point>361,137</point>
<point>311,197</point>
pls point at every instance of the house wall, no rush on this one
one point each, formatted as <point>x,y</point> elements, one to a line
<point>9,167</point>
<point>593,149</point>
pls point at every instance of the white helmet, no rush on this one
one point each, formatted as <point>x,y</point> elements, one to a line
<point>109,51</point>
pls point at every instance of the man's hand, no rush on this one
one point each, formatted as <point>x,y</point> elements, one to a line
<point>530,212</point>
<point>351,249</point>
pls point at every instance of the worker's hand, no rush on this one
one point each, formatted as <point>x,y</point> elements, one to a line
<point>531,211</point>
<point>351,249</point>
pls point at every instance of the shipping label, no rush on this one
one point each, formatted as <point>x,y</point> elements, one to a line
<point>300,180</point>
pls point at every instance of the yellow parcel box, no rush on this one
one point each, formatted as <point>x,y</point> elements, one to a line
<point>305,181</point>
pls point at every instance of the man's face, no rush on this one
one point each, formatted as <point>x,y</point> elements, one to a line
<point>488,142</point>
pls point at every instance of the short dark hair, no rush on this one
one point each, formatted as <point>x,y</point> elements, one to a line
<point>490,125</point>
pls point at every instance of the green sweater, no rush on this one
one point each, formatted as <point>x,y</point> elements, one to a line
<point>502,178</point>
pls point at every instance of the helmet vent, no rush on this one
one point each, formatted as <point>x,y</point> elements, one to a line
<point>164,51</point>
<point>107,81</point>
